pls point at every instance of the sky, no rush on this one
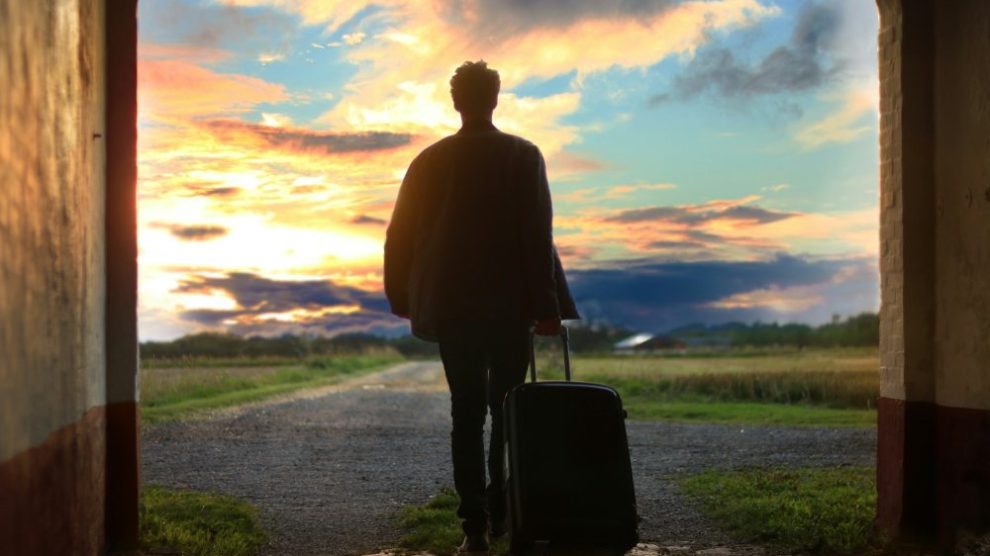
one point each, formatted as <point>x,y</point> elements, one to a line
<point>709,161</point>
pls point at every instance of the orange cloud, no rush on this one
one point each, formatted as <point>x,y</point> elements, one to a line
<point>178,88</point>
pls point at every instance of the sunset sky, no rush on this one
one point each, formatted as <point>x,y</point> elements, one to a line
<point>709,160</point>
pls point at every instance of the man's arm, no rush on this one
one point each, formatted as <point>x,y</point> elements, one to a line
<point>400,241</point>
<point>537,242</point>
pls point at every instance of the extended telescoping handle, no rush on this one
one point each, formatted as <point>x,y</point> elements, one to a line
<point>565,340</point>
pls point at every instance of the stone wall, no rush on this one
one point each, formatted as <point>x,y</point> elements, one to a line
<point>52,287</point>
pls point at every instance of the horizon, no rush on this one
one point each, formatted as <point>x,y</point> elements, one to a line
<point>709,161</point>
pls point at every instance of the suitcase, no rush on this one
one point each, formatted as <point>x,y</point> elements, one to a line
<point>567,469</point>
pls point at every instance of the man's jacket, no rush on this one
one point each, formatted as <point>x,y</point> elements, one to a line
<point>471,235</point>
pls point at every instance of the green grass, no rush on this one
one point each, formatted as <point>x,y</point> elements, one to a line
<point>747,413</point>
<point>435,528</point>
<point>202,361</point>
<point>808,510</point>
<point>199,523</point>
<point>833,387</point>
<point>170,393</point>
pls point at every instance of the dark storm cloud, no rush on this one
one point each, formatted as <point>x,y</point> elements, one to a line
<point>658,296</point>
<point>697,214</point>
<point>801,65</point>
<point>257,295</point>
<point>218,191</point>
<point>201,232</point>
<point>297,139</point>
<point>365,219</point>
<point>491,19</point>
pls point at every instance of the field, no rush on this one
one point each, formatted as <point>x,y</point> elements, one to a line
<point>177,389</point>
<point>824,387</point>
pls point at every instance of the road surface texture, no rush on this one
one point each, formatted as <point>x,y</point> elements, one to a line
<point>330,468</point>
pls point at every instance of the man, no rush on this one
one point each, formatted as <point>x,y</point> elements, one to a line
<point>469,259</point>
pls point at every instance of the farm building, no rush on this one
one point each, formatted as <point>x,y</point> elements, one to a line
<point>644,343</point>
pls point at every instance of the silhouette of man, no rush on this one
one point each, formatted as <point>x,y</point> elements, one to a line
<point>470,260</point>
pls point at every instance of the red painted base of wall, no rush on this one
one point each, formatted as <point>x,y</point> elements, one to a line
<point>52,496</point>
<point>963,471</point>
<point>933,470</point>
<point>123,476</point>
<point>906,468</point>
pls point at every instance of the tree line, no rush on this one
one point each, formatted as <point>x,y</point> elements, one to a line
<point>859,330</point>
<point>855,331</point>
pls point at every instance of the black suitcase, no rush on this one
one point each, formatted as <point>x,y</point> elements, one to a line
<point>568,476</point>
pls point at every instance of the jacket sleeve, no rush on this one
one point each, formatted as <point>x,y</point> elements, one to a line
<point>400,240</point>
<point>537,236</point>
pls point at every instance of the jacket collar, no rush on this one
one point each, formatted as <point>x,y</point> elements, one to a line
<point>477,125</point>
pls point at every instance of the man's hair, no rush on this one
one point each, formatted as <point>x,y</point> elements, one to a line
<point>474,88</point>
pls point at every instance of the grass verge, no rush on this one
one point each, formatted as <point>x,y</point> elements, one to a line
<point>174,393</point>
<point>199,523</point>
<point>833,388</point>
<point>810,510</point>
<point>435,528</point>
<point>746,413</point>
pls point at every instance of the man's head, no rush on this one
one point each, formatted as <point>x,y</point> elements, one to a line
<point>474,88</point>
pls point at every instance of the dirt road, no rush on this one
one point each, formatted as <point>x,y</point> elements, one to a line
<point>330,468</point>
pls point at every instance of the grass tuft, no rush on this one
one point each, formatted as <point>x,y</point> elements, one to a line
<point>813,510</point>
<point>435,528</point>
<point>199,523</point>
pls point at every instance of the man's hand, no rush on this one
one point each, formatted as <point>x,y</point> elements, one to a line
<point>548,327</point>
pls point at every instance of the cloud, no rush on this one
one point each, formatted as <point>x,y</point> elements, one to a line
<point>269,57</point>
<point>185,52</point>
<point>170,89</point>
<point>299,139</point>
<point>724,229</point>
<point>200,232</point>
<point>801,65</point>
<point>401,85</point>
<point>270,307</point>
<point>216,25</point>
<point>365,219</point>
<point>697,214</point>
<point>329,13</point>
<point>351,39</point>
<point>848,123</point>
<point>657,296</point>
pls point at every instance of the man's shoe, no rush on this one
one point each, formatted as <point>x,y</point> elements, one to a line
<point>474,544</point>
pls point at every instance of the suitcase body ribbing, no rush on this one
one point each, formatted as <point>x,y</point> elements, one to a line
<point>568,475</point>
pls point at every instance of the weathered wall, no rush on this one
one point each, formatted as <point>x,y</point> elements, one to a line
<point>933,451</point>
<point>52,289</point>
<point>906,439</point>
<point>963,204</point>
<point>962,293</point>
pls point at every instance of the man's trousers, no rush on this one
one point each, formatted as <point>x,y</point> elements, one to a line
<point>482,362</point>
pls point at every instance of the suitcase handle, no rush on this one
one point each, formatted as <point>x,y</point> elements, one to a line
<point>565,340</point>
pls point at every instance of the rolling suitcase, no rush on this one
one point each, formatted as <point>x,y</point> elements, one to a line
<point>568,474</point>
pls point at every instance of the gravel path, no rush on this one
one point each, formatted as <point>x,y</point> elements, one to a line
<point>329,468</point>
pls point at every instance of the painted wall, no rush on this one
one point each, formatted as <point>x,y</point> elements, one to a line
<point>962,235</point>
<point>962,203</point>
<point>933,444</point>
<point>52,286</point>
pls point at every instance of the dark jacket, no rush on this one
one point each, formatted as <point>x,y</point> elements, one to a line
<point>471,235</point>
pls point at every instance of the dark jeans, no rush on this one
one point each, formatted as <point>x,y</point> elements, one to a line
<point>482,361</point>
